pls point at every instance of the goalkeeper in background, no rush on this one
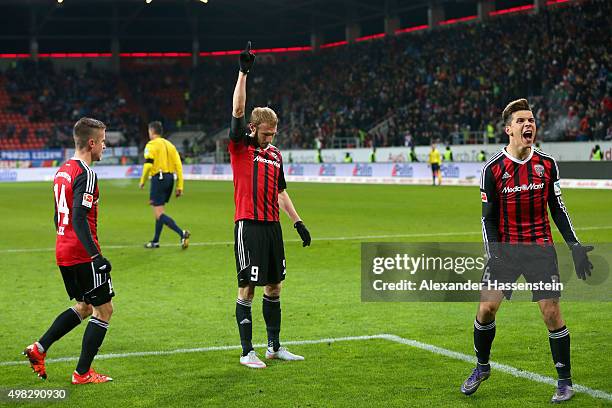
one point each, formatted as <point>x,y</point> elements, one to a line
<point>162,162</point>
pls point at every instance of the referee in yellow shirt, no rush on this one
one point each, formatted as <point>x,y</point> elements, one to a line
<point>162,162</point>
<point>435,161</point>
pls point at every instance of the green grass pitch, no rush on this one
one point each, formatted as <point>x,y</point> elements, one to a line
<point>170,299</point>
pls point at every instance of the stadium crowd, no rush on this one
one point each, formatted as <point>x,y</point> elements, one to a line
<point>431,84</point>
<point>423,86</point>
<point>55,99</point>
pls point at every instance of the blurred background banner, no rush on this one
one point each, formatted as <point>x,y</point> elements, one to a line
<point>458,174</point>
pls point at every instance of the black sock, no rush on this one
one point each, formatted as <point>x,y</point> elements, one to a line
<point>92,340</point>
<point>272,315</point>
<point>171,224</point>
<point>484,333</point>
<point>560,348</point>
<point>159,224</point>
<point>62,325</point>
<point>245,324</point>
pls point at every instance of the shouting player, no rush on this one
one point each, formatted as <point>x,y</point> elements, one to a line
<point>259,191</point>
<point>516,187</point>
<point>85,271</point>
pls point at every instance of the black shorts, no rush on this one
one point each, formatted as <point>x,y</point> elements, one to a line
<point>84,285</point>
<point>161,188</point>
<point>435,167</point>
<point>260,253</point>
<point>537,263</point>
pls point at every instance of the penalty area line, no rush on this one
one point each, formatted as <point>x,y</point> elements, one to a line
<point>317,239</point>
<point>513,371</point>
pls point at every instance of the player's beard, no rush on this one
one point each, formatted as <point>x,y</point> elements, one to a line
<point>262,143</point>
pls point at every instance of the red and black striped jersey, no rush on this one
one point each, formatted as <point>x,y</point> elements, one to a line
<point>258,178</point>
<point>75,185</point>
<point>515,195</point>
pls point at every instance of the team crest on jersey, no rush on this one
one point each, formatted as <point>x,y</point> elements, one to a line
<point>87,200</point>
<point>539,169</point>
<point>483,197</point>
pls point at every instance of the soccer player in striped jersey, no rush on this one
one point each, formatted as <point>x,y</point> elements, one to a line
<point>86,273</point>
<point>259,192</point>
<point>517,186</point>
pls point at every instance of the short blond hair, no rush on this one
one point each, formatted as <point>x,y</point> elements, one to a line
<point>514,106</point>
<point>264,115</point>
<point>85,129</point>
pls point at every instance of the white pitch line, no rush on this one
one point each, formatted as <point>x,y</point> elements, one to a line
<point>515,372</point>
<point>497,366</point>
<point>197,350</point>
<point>321,239</point>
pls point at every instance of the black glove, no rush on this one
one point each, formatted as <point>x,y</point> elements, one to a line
<point>247,58</point>
<point>101,264</point>
<point>303,231</point>
<point>581,260</point>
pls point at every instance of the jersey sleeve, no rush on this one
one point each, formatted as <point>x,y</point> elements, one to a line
<point>282,184</point>
<point>557,208</point>
<point>149,155</point>
<point>149,152</point>
<point>178,166</point>
<point>490,211</point>
<point>238,133</point>
<point>83,201</point>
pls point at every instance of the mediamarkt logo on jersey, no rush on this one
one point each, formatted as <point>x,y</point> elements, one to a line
<point>524,187</point>
<point>267,161</point>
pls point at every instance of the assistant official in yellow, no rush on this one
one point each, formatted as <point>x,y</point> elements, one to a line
<point>435,161</point>
<point>162,162</point>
